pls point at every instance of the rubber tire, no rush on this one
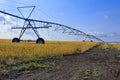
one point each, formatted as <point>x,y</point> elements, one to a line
<point>83,40</point>
<point>15,40</point>
<point>40,41</point>
<point>91,40</point>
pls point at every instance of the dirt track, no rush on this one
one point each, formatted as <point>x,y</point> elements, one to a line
<point>73,67</point>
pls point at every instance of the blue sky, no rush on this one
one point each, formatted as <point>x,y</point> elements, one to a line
<point>98,17</point>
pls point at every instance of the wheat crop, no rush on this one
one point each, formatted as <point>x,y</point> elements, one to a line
<point>23,49</point>
<point>30,54</point>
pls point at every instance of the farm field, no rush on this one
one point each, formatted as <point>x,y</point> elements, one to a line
<point>116,46</point>
<point>12,54</point>
<point>59,61</point>
<point>51,48</point>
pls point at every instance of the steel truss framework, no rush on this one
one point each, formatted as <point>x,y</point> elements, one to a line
<point>36,24</point>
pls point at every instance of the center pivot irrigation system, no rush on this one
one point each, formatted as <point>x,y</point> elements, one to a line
<point>36,24</point>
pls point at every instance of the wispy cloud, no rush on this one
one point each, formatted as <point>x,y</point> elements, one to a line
<point>96,33</point>
<point>111,36</point>
<point>6,22</point>
<point>103,34</point>
<point>106,17</point>
<point>1,18</point>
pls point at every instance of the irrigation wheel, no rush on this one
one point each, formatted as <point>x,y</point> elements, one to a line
<point>15,40</point>
<point>40,41</point>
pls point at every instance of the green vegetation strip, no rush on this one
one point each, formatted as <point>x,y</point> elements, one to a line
<point>30,63</point>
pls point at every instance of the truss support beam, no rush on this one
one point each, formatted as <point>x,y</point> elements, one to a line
<point>63,28</point>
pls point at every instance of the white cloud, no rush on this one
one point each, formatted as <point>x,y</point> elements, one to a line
<point>111,36</point>
<point>114,34</point>
<point>5,28</point>
<point>106,17</point>
<point>103,34</point>
<point>96,33</point>
<point>1,17</point>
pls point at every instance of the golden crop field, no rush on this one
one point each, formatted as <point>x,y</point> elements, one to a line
<point>117,46</point>
<point>13,54</point>
<point>27,49</point>
<point>11,51</point>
